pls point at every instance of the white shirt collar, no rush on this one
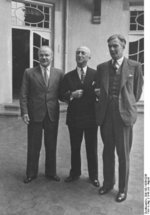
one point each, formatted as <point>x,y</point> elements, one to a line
<point>119,61</point>
<point>47,70</point>
<point>84,69</point>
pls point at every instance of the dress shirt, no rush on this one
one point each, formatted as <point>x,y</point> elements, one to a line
<point>79,71</point>
<point>47,70</point>
<point>118,62</point>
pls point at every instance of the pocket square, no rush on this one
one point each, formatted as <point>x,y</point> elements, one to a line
<point>130,75</point>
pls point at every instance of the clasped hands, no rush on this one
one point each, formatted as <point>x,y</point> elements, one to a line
<point>79,93</point>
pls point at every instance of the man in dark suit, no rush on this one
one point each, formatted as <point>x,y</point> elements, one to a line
<point>40,111</point>
<point>77,89</point>
<point>119,82</point>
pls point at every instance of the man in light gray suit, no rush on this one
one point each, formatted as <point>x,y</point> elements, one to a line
<point>40,111</point>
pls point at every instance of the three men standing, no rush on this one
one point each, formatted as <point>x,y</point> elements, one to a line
<point>40,111</point>
<point>120,83</point>
<point>77,89</point>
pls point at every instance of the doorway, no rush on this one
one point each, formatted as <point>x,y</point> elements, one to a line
<point>32,27</point>
<point>21,56</point>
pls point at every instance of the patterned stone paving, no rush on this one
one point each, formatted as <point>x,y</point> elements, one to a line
<point>42,197</point>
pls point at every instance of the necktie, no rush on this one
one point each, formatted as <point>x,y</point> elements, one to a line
<point>115,67</point>
<point>82,75</point>
<point>45,76</point>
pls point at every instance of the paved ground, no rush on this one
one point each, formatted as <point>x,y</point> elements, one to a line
<point>42,197</point>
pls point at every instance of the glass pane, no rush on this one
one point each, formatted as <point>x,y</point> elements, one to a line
<point>133,57</point>
<point>36,40</point>
<point>141,57</point>
<point>46,25</point>
<point>27,24</point>
<point>141,44</point>
<point>46,10</point>
<point>143,68</point>
<point>33,15</point>
<point>40,25</point>
<point>140,21</point>
<point>133,27</point>
<point>140,27</point>
<point>40,7</point>
<point>33,25</point>
<point>35,63</point>
<point>133,13</point>
<point>45,42</point>
<point>35,53</point>
<point>133,47</point>
<point>132,19</point>
<point>46,17</point>
<point>33,5</point>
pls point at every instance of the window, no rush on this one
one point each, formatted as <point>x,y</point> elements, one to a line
<point>136,34</point>
<point>31,15</point>
<point>136,20</point>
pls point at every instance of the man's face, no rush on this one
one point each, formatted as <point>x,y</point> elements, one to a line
<point>115,48</point>
<point>82,56</point>
<point>45,56</point>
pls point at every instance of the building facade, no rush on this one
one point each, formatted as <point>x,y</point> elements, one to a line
<point>64,25</point>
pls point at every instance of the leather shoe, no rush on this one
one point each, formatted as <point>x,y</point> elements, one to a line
<point>103,190</point>
<point>28,179</point>
<point>95,182</point>
<point>71,178</point>
<point>121,197</point>
<point>53,178</point>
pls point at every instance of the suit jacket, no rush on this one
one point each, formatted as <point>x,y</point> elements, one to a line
<point>36,98</point>
<point>80,112</point>
<point>129,94</point>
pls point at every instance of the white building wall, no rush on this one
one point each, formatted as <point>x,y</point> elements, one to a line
<point>81,31</point>
<point>5,52</point>
<point>59,34</point>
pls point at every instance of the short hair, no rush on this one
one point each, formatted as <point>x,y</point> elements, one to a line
<point>44,46</point>
<point>85,48</point>
<point>119,37</point>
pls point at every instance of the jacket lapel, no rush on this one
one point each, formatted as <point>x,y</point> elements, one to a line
<point>52,77</point>
<point>87,75</point>
<point>125,72</point>
<point>106,76</point>
<point>38,75</point>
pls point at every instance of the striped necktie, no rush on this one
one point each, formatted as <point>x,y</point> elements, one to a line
<point>82,75</point>
<point>115,67</point>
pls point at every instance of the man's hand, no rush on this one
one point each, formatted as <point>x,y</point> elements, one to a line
<point>26,119</point>
<point>77,94</point>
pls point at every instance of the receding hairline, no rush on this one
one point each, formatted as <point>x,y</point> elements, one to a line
<point>85,48</point>
<point>45,47</point>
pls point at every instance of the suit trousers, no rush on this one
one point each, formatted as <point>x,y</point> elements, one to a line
<point>35,130</point>
<point>115,135</point>
<point>76,136</point>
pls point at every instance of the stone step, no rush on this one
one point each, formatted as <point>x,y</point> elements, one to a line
<point>13,109</point>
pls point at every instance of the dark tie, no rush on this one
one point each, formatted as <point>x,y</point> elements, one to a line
<point>82,75</point>
<point>45,76</point>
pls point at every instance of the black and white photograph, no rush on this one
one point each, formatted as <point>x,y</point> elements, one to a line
<point>73,114</point>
